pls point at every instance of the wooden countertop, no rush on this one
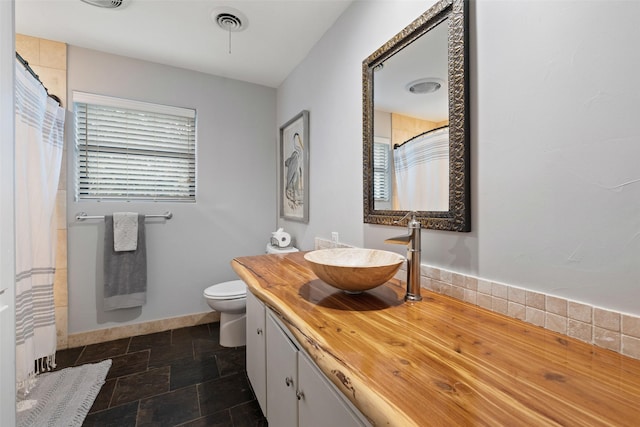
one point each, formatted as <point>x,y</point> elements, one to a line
<point>440,361</point>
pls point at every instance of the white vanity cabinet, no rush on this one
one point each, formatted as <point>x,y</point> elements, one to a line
<point>282,376</point>
<point>320,403</point>
<point>296,392</point>
<point>256,349</point>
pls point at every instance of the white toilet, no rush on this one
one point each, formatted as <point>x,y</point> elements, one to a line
<point>230,300</point>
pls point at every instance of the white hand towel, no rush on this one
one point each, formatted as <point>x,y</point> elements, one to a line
<point>125,231</point>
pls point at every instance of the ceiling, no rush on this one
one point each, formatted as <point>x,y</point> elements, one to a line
<point>181,33</point>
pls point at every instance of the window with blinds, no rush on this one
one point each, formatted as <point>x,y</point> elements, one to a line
<point>381,173</point>
<point>130,150</point>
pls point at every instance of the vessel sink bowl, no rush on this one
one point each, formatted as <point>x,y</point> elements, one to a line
<point>354,270</point>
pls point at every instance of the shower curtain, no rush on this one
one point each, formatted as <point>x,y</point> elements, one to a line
<point>421,179</point>
<point>39,128</point>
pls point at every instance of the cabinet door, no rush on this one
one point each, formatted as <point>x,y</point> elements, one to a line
<point>282,377</point>
<point>256,349</point>
<point>321,404</point>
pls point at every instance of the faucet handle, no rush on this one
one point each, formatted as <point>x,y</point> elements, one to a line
<point>398,221</point>
<point>410,222</point>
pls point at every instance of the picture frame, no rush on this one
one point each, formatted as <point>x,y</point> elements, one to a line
<point>294,168</point>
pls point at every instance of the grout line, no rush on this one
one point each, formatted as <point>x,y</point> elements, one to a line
<point>138,412</point>
<point>75,362</point>
<point>113,392</point>
<point>198,397</point>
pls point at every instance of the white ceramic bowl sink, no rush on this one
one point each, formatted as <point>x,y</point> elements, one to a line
<point>354,269</point>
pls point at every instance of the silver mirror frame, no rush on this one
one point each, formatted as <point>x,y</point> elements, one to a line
<point>458,217</point>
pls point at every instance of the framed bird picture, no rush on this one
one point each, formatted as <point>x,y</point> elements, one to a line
<point>294,168</point>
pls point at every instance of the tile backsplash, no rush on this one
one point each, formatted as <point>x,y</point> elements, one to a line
<point>604,328</point>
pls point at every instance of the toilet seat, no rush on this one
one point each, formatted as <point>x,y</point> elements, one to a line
<point>234,289</point>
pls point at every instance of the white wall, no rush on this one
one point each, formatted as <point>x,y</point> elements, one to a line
<point>235,210</point>
<point>555,102</point>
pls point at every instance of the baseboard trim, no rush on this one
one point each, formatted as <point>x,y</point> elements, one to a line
<point>126,331</point>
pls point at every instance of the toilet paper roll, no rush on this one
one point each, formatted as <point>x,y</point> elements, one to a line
<point>280,238</point>
<point>283,239</point>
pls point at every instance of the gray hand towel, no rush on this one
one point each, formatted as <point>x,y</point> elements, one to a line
<point>125,273</point>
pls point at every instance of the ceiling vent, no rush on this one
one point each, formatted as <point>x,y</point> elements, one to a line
<point>229,22</point>
<point>230,19</point>
<point>108,4</point>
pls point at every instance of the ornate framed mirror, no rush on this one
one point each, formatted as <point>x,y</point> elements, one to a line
<point>416,123</point>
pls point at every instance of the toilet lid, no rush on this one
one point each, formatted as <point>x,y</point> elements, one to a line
<point>227,290</point>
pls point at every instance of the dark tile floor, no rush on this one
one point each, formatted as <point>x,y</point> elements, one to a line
<point>181,378</point>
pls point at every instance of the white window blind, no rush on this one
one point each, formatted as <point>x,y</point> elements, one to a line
<point>381,173</point>
<point>130,150</point>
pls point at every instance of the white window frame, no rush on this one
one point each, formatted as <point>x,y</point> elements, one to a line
<point>116,165</point>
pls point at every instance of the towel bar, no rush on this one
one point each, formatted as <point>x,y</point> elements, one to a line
<point>83,215</point>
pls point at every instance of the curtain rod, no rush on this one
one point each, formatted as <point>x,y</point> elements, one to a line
<point>27,67</point>
<point>417,136</point>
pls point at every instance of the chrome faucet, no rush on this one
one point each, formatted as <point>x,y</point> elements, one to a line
<point>412,240</point>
